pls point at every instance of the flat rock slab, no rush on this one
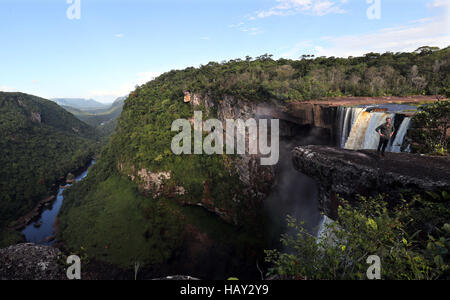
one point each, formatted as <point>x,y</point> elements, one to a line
<point>432,168</point>
<point>347,173</point>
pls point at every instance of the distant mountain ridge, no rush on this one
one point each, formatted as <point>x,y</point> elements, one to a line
<point>80,103</point>
<point>103,119</point>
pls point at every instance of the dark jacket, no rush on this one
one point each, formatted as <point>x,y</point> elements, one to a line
<point>386,130</point>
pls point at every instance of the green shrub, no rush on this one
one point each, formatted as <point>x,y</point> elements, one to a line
<point>369,229</point>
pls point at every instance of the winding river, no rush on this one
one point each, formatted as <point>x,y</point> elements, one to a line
<point>42,230</point>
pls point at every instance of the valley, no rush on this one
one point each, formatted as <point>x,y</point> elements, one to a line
<point>40,143</point>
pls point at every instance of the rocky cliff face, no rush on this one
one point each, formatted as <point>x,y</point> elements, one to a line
<point>344,173</point>
<point>259,179</point>
<point>296,119</point>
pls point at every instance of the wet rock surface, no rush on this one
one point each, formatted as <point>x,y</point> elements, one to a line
<point>30,262</point>
<point>346,173</point>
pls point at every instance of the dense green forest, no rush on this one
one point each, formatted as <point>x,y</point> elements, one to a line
<point>39,143</point>
<point>143,137</point>
<point>425,71</point>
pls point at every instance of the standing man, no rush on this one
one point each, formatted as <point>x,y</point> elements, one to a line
<point>386,131</point>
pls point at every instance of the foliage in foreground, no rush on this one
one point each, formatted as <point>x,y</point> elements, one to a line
<point>369,229</point>
<point>432,128</point>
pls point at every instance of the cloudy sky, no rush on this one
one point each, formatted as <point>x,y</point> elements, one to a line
<point>50,48</point>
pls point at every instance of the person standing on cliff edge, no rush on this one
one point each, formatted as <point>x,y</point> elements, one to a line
<point>386,131</point>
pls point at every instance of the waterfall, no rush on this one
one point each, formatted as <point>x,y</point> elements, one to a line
<point>372,137</point>
<point>347,117</point>
<point>401,133</point>
<point>325,231</point>
<point>358,133</point>
<point>357,129</point>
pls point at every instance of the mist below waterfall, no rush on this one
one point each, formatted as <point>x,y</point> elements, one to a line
<point>294,194</point>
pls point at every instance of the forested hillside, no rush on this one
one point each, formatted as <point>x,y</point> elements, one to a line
<point>141,143</point>
<point>39,143</point>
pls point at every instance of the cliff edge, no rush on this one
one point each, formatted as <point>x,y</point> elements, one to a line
<point>346,173</point>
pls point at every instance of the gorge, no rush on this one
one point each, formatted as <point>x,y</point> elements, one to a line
<point>213,216</point>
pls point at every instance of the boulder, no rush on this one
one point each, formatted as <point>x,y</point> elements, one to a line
<point>30,262</point>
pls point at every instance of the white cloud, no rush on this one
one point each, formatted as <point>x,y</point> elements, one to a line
<point>236,25</point>
<point>290,8</point>
<point>108,95</point>
<point>303,47</point>
<point>310,7</point>
<point>205,38</point>
<point>119,35</point>
<point>7,89</point>
<point>249,30</point>
<point>439,3</point>
<point>252,30</point>
<point>407,38</point>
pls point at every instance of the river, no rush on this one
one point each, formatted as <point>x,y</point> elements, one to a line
<point>41,229</point>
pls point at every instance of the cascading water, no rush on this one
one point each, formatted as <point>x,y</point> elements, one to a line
<point>358,126</point>
<point>398,142</point>
<point>358,133</point>
<point>372,138</point>
<point>347,118</point>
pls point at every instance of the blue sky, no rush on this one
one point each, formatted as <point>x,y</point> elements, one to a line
<point>116,44</point>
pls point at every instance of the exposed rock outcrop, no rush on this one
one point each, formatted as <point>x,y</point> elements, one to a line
<point>30,262</point>
<point>257,180</point>
<point>348,173</point>
<point>153,181</point>
<point>33,262</point>
<point>150,182</point>
<point>36,117</point>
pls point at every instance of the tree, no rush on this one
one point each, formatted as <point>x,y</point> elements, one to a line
<point>431,124</point>
<point>426,50</point>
